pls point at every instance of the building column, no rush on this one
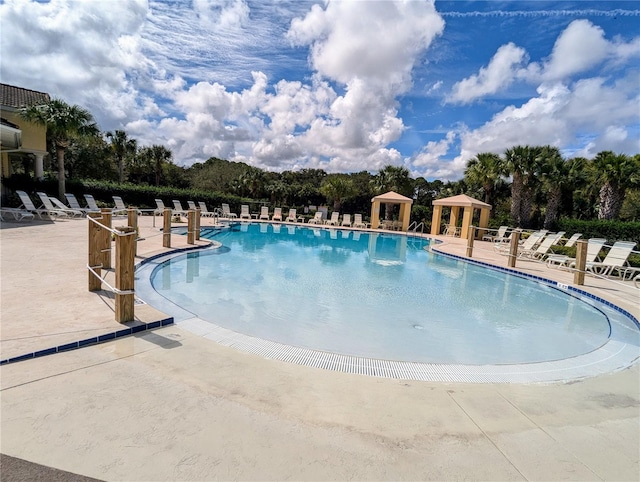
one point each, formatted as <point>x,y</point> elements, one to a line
<point>38,167</point>
<point>436,219</point>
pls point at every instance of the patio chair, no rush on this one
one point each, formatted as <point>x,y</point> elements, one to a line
<point>333,221</point>
<point>74,204</point>
<point>502,230</point>
<point>358,222</point>
<point>120,208</point>
<point>543,248</point>
<point>264,213</point>
<point>178,209</point>
<point>48,205</point>
<point>615,260</point>
<point>192,205</point>
<point>572,240</point>
<point>244,212</point>
<point>277,214</point>
<point>91,203</point>
<point>226,212</point>
<point>527,245</point>
<point>559,236</point>
<point>346,220</point>
<point>75,213</point>
<point>204,211</point>
<point>292,217</point>
<point>27,205</point>
<point>316,219</point>
<point>17,213</point>
<point>594,245</point>
<point>160,207</point>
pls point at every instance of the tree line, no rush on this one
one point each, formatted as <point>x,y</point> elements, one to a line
<point>529,186</point>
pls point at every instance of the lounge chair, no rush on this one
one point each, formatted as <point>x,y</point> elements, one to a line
<point>559,236</point>
<point>277,214</point>
<point>160,207</point>
<point>334,221</point>
<point>192,205</point>
<point>316,219</point>
<point>594,245</point>
<point>16,213</point>
<point>27,205</point>
<point>226,212</point>
<point>527,245</point>
<point>75,213</point>
<point>498,237</point>
<point>91,203</point>
<point>572,240</point>
<point>178,209</point>
<point>358,222</point>
<point>48,205</point>
<point>244,212</point>
<point>74,204</point>
<point>204,211</point>
<point>636,281</point>
<point>543,248</point>
<point>346,220</point>
<point>292,217</point>
<point>264,213</point>
<point>120,208</point>
<point>615,260</point>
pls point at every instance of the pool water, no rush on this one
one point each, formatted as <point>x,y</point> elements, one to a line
<point>375,295</point>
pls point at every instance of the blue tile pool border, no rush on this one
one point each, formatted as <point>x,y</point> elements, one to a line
<point>94,340</point>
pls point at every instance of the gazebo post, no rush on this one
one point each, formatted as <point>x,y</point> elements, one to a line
<point>405,215</point>
<point>484,222</point>
<point>453,218</point>
<point>375,215</point>
<point>466,221</point>
<point>436,219</point>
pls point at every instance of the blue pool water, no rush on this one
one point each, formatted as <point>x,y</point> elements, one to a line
<point>375,295</point>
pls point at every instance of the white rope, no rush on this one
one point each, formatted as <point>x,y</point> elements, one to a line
<point>111,230</point>
<point>111,288</point>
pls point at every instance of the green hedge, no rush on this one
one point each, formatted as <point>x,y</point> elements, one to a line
<point>612,231</point>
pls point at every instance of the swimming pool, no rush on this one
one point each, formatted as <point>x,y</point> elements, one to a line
<point>376,296</point>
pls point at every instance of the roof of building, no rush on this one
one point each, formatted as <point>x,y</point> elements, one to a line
<point>461,200</point>
<point>392,197</point>
<point>16,97</point>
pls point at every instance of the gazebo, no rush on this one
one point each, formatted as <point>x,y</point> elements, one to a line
<point>455,203</point>
<point>391,198</point>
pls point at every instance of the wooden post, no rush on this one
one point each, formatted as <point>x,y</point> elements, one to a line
<point>95,255</point>
<point>132,221</point>
<point>191,226</point>
<point>581,262</point>
<point>470,238</point>
<point>106,235</point>
<point>513,249</point>
<point>198,213</point>
<point>125,259</point>
<point>166,228</point>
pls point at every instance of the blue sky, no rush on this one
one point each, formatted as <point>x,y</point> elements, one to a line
<point>342,86</point>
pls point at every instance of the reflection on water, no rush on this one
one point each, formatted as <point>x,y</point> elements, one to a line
<point>387,250</point>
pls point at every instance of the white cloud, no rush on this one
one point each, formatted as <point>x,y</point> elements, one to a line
<point>501,71</point>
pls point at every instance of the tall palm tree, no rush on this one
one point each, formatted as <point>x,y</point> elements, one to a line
<point>521,163</point>
<point>486,170</point>
<point>337,188</point>
<point>121,147</point>
<point>614,173</point>
<point>393,178</point>
<point>64,122</point>
<point>157,156</point>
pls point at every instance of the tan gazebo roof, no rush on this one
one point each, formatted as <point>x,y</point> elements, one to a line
<point>461,200</point>
<point>392,197</point>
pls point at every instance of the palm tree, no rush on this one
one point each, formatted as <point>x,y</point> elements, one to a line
<point>486,170</point>
<point>156,156</point>
<point>521,163</point>
<point>121,146</point>
<point>336,189</point>
<point>614,173</point>
<point>393,178</point>
<point>64,122</point>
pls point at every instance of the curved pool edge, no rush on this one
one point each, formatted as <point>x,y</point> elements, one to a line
<point>614,355</point>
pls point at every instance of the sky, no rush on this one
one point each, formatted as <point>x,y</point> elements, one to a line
<point>343,86</point>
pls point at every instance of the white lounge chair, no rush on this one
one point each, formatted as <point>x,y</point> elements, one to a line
<point>543,248</point>
<point>559,236</point>
<point>264,213</point>
<point>615,260</point>
<point>572,240</point>
<point>594,245</point>
<point>292,217</point>
<point>17,213</point>
<point>74,204</point>
<point>91,203</point>
<point>204,211</point>
<point>192,205</point>
<point>346,220</point>
<point>334,220</point>
<point>75,213</point>
<point>178,209</point>
<point>244,212</point>
<point>47,204</point>
<point>277,214</point>
<point>120,208</point>
<point>527,245</point>
<point>499,236</point>
<point>160,207</point>
<point>316,219</point>
<point>226,212</point>
<point>358,222</point>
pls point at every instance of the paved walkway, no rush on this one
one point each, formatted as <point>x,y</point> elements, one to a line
<point>170,405</point>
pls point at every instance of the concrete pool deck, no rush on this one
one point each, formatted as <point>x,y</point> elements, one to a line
<point>169,405</point>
